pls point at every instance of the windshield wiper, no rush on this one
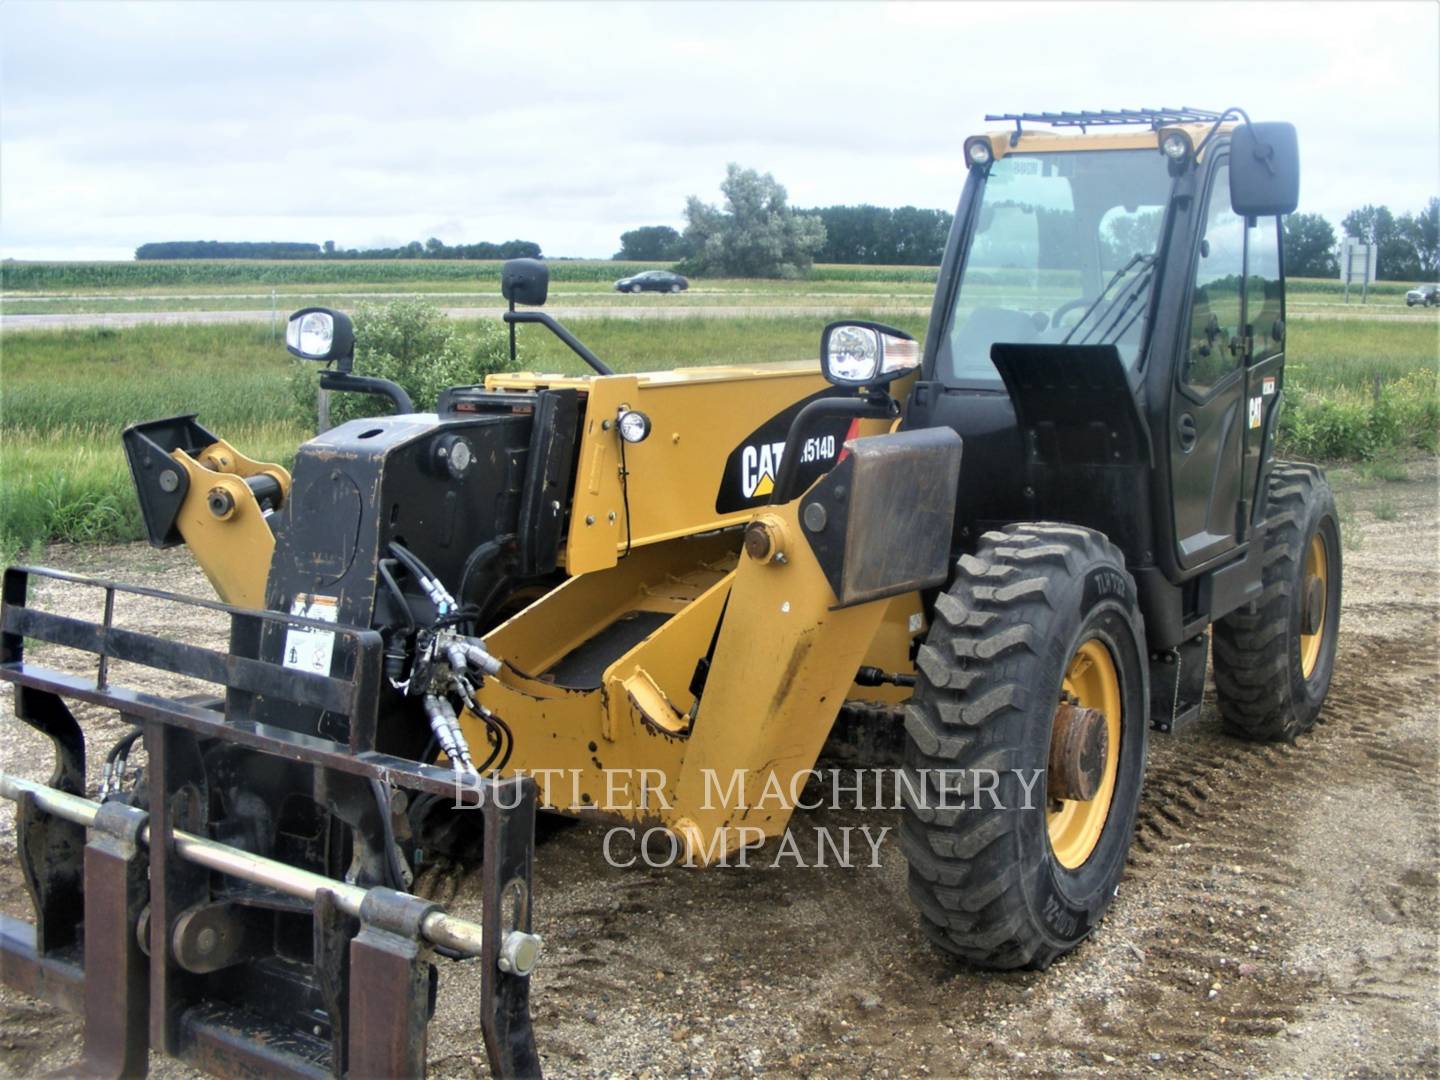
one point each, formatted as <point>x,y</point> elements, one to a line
<point>1122,299</point>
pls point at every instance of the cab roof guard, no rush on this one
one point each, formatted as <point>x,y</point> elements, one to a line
<point>1153,118</point>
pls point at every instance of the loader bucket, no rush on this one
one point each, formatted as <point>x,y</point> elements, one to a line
<point>167,930</point>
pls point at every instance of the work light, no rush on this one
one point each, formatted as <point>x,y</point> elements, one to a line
<point>634,425</point>
<point>978,151</point>
<point>319,334</point>
<point>1175,145</point>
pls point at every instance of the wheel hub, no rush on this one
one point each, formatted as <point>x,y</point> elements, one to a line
<point>1079,749</point>
<point>1312,610</point>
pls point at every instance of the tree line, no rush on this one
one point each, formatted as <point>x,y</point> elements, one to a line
<point>432,248</point>
<point>756,233</point>
<point>857,235</point>
<point>1407,247</point>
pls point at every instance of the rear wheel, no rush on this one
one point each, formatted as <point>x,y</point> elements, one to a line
<point>1274,658</point>
<point>674,288</point>
<point>1026,746</point>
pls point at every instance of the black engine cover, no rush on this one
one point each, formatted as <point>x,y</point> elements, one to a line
<point>444,486</point>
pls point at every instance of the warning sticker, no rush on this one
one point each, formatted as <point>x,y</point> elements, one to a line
<point>308,649</point>
<point>1267,386</point>
<point>1257,411</point>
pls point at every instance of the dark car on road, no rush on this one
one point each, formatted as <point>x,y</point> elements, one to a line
<point>652,281</point>
<point>1423,294</point>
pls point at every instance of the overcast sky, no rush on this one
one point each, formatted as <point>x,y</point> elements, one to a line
<point>380,123</point>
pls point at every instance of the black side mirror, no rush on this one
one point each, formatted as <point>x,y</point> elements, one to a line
<point>1264,169</point>
<point>525,281</point>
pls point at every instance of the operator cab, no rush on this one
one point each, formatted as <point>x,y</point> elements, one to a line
<point>1107,336</point>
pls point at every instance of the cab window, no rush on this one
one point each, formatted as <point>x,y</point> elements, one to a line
<point>1263,290</point>
<point>1214,348</point>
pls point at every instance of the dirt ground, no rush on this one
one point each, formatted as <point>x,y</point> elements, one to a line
<point>1279,914</point>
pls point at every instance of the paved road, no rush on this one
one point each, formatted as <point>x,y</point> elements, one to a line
<point>138,318</point>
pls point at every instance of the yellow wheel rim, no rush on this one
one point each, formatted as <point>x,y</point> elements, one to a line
<point>1092,682</point>
<point>1317,565</point>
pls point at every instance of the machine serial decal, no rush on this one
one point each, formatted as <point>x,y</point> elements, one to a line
<point>752,467</point>
<point>759,465</point>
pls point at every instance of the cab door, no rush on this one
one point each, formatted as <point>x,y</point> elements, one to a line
<point>1208,402</point>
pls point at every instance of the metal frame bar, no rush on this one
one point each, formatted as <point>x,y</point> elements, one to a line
<point>1153,118</point>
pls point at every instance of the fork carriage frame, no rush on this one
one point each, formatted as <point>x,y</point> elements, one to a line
<point>126,925</point>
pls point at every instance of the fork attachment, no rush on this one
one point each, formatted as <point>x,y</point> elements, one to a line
<point>234,909</point>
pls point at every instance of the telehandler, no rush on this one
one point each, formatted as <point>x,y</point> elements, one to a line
<point>651,599</point>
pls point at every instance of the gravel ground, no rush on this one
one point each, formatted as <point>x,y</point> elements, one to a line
<point>1279,915</point>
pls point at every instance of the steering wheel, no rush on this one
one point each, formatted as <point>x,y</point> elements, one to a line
<point>1069,305</point>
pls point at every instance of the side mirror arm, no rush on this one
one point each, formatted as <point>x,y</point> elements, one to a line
<point>571,341</point>
<point>871,406</point>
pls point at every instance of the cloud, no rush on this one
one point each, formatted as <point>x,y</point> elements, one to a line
<point>568,123</point>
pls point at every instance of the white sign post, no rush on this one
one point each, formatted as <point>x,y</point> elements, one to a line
<point>1357,261</point>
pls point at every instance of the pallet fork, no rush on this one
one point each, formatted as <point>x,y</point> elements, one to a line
<point>138,912</point>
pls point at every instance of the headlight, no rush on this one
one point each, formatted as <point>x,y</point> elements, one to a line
<point>319,334</point>
<point>978,151</point>
<point>854,354</point>
<point>866,353</point>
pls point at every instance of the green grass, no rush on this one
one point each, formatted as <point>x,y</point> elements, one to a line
<point>1357,389</point>
<point>65,395</point>
<point>420,274</point>
<point>61,276</point>
<point>654,345</point>
<point>1325,355</point>
<point>1385,468</point>
<point>67,276</point>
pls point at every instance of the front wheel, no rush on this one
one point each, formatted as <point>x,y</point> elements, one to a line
<point>674,288</point>
<point>634,288</point>
<point>1026,743</point>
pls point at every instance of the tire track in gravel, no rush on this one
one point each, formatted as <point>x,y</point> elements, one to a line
<point>1215,852</point>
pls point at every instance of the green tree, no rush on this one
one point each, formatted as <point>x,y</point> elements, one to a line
<point>1396,258</point>
<point>1422,232</point>
<point>1369,224</point>
<point>756,234</point>
<point>412,343</point>
<point>1310,247</point>
<point>651,243</point>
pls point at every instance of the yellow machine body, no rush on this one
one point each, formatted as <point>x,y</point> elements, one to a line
<point>655,555</point>
<point>223,524</point>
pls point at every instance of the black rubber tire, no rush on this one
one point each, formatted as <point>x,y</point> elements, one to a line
<point>986,881</point>
<point>1260,688</point>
